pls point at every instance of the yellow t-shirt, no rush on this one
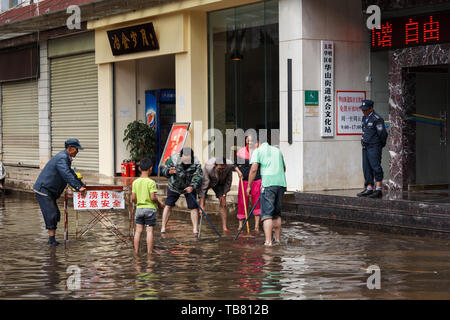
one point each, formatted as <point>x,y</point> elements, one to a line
<point>142,187</point>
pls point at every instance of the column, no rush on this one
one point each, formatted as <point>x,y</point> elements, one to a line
<point>290,30</point>
<point>105,119</point>
<point>192,82</point>
<point>45,150</point>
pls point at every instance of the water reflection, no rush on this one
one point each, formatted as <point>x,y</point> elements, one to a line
<point>313,262</point>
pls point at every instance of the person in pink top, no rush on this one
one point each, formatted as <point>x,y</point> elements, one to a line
<point>243,163</point>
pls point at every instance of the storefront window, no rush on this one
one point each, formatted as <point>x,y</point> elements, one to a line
<point>243,67</point>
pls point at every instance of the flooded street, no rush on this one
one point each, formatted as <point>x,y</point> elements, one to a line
<point>313,262</point>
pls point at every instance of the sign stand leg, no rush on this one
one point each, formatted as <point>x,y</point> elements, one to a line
<point>66,218</point>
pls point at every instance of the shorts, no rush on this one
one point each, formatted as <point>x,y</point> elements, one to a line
<point>218,190</point>
<point>173,196</point>
<point>50,211</point>
<point>145,216</point>
<point>271,202</point>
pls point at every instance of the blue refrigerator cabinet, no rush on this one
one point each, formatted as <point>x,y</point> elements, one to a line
<point>160,114</point>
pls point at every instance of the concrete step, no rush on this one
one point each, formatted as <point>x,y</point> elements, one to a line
<point>398,216</point>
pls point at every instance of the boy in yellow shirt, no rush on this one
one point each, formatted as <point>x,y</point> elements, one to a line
<point>144,195</point>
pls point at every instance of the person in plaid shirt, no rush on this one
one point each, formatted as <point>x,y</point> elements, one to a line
<point>185,176</point>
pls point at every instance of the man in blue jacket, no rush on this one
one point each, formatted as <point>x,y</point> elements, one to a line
<point>51,183</point>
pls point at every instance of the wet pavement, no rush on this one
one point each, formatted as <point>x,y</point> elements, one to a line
<point>312,262</point>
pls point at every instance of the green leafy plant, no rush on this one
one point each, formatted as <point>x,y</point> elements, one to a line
<point>141,140</point>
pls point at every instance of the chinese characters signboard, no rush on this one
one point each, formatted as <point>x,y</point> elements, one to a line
<point>327,87</point>
<point>133,39</point>
<point>175,141</point>
<point>348,113</point>
<point>411,31</point>
<point>99,200</point>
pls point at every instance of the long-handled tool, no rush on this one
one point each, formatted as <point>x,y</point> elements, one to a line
<point>249,215</point>
<point>245,204</point>
<point>206,215</point>
<point>200,226</point>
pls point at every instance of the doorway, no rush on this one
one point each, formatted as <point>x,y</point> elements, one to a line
<point>432,152</point>
<point>132,80</point>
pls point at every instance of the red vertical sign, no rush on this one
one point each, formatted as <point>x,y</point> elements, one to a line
<point>175,141</point>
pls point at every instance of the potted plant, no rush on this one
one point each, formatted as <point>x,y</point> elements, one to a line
<point>141,141</point>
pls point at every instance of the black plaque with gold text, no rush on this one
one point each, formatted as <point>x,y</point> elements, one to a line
<point>133,39</point>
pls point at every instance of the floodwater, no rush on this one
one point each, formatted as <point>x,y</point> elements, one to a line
<point>313,262</point>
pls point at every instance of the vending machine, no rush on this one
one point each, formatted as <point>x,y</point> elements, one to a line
<point>160,114</point>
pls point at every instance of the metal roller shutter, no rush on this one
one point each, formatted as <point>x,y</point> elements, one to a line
<point>74,107</point>
<point>20,120</point>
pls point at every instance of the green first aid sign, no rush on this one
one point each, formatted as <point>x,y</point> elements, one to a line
<point>311,98</point>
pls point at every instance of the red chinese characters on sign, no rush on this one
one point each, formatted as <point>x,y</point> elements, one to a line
<point>404,32</point>
<point>105,203</point>
<point>99,200</point>
<point>82,204</point>
<point>412,32</point>
<point>431,30</point>
<point>383,36</point>
<point>348,113</point>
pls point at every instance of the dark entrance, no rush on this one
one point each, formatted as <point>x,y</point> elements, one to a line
<point>431,134</point>
<point>418,111</point>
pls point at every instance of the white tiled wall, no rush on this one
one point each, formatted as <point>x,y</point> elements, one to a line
<point>315,163</point>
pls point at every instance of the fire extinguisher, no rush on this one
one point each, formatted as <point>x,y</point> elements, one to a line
<point>132,169</point>
<point>124,169</point>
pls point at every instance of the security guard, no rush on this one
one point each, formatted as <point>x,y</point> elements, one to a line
<point>373,140</point>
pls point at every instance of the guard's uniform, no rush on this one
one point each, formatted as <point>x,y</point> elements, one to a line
<point>373,140</point>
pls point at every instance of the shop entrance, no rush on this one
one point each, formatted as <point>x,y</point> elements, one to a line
<point>432,152</point>
<point>137,82</point>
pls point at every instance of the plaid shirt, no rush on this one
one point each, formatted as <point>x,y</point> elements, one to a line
<point>185,177</point>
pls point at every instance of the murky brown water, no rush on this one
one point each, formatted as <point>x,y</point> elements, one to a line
<point>313,262</point>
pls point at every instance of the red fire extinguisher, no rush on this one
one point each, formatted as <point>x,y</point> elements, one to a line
<point>125,169</point>
<point>132,169</point>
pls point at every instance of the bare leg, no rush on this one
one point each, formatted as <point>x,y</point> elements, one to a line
<point>137,237</point>
<point>241,222</point>
<point>257,221</point>
<point>223,212</point>
<point>268,226</point>
<point>165,217</point>
<point>202,203</point>
<point>149,240</point>
<point>194,219</point>
<point>51,232</point>
<point>277,228</point>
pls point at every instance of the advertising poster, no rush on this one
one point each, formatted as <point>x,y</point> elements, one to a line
<point>150,112</point>
<point>175,141</point>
